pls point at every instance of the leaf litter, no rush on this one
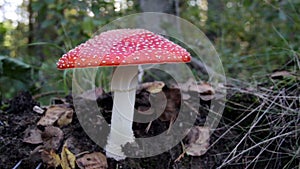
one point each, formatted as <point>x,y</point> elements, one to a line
<point>67,158</point>
<point>95,160</point>
<point>61,114</point>
<point>57,117</point>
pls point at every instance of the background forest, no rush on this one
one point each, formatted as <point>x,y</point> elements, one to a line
<point>253,38</point>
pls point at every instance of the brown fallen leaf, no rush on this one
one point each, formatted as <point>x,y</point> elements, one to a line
<point>207,97</point>
<point>94,160</point>
<point>165,104</point>
<point>52,137</point>
<point>32,136</point>
<point>67,158</point>
<point>170,112</point>
<point>185,96</point>
<point>51,159</point>
<point>185,86</point>
<point>73,144</point>
<point>204,88</point>
<point>197,141</point>
<point>54,113</point>
<point>92,94</point>
<point>66,118</point>
<point>153,87</point>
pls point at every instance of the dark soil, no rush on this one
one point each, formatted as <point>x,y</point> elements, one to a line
<point>19,116</point>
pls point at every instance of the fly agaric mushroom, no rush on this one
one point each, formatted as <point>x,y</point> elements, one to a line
<point>125,48</point>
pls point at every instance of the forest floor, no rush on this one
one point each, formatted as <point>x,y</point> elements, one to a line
<point>259,129</point>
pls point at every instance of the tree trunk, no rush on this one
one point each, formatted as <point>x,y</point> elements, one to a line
<point>30,26</point>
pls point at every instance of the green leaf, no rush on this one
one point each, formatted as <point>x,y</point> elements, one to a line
<point>95,9</point>
<point>47,23</point>
<point>87,25</point>
<point>36,6</point>
<point>49,1</point>
<point>282,15</point>
<point>15,69</point>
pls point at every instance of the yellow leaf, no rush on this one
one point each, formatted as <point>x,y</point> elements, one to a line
<point>50,158</point>
<point>67,158</point>
<point>153,87</point>
<point>66,118</point>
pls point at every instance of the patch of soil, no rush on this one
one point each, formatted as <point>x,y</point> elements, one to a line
<point>19,117</point>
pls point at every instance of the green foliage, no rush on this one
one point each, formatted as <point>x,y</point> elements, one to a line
<point>253,37</point>
<point>55,27</point>
<point>14,75</point>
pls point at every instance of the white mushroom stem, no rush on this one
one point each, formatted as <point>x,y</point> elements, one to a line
<point>124,83</point>
<point>141,73</point>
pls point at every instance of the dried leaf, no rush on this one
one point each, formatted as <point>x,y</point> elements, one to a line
<point>52,137</point>
<point>185,86</point>
<point>67,158</point>
<point>50,158</point>
<point>197,141</point>
<point>73,144</point>
<point>94,160</point>
<point>153,87</point>
<point>54,113</point>
<point>66,118</point>
<point>145,110</point>
<point>173,97</point>
<point>206,97</point>
<point>32,136</point>
<point>92,94</point>
<point>185,96</point>
<point>203,88</point>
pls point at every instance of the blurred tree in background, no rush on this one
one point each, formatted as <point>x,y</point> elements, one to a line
<point>253,37</point>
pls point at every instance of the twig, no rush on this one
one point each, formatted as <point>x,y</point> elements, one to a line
<point>17,165</point>
<point>254,146</point>
<point>233,152</point>
<point>79,154</point>
<point>263,97</point>
<point>38,167</point>
<point>37,96</point>
<point>184,149</point>
<point>191,107</point>
<point>237,123</point>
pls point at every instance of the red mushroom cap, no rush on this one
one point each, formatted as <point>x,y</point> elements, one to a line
<point>124,47</point>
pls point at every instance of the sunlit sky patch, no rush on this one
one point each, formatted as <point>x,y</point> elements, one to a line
<point>9,11</point>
